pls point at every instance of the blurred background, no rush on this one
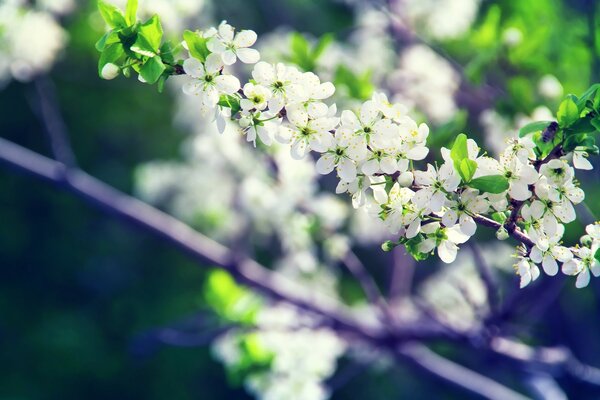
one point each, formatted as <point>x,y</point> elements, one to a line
<point>85,300</point>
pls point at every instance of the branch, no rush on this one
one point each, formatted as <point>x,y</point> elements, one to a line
<point>55,125</point>
<point>455,374</point>
<point>516,234</point>
<point>198,246</point>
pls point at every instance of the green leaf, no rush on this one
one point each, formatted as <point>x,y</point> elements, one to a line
<point>358,87</point>
<point>149,36</point>
<point>567,112</point>
<point>322,45</point>
<point>301,54</point>
<point>490,184</point>
<point>229,300</point>
<point>533,127</point>
<point>131,11</point>
<point>230,102</point>
<point>597,255</point>
<point>596,123</point>
<point>111,15</point>
<point>459,152</point>
<point>112,53</point>
<point>588,95</point>
<point>579,140</point>
<point>196,45</point>
<point>499,217</point>
<point>109,37</point>
<point>467,169</point>
<point>152,70</point>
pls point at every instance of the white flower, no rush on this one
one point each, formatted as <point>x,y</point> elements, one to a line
<point>396,111</point>
<point>445,239</point>
<point>547,251</point>
<point>308,134</point>
<point>257,124</point>
<point>469,203</point>
<point>435,185</point>
<point>519,175</point>
<point>310,96</point>
<point>582,265</point>
<point>580,160</point>
<point>208,82</point>
<point>257,97</point>
<point>528,271</point>
<point>338,156</point>
<point>398,200</point>
<point>282,81</point>
<point>231,47</point>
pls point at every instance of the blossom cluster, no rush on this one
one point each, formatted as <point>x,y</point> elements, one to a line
<point>374,150</point>
<point>31,37</point>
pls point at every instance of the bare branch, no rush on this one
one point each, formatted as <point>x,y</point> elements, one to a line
<point>196,245</point>
<point>455,374</point>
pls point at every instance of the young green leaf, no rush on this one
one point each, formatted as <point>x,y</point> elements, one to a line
<point>459,152</point>
<point>111,15</point>
<point>152,69</point>
<point>149,36</point>
<point>131,11</point>
<point>231,102</point>
<point>322,45</point>
<point>490,184</point>
<point>567,112</point>
<point>467,169</point>
<point>533,127</point>
<point>196,45</point>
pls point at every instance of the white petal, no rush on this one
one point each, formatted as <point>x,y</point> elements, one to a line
<point>550,265</point>
<point>325,164</point>
<point>583,279</point>
<point>228,57</point>
<point>248,56</point>
<point>347,170</point>
<point>519,191</point>
<point>447,251</point>
<point>467,225</point>
<point>299,149</point>
<point>245,38</point>
<point>370,167</point>
<point>228,84</point>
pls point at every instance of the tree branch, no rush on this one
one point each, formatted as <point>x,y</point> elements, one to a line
<point>455,374</point>
<point>198,246</point>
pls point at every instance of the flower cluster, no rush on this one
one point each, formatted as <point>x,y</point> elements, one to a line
<point>374,150</point>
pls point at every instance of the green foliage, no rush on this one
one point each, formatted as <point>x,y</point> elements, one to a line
<point>111,15</point>
<point>460,156</point>
<point>229,300</point>
<point>532,127</point>
<point>196,45</point>
<point>490,184</point>
<point>303,54</point>
<point>357,86</point>
<point>568,112</point>
<point>133,46</point>
<point>231,102</point>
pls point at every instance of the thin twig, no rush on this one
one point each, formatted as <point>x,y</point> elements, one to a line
<point>53,121</point>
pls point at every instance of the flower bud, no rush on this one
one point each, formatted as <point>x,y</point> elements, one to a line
<point>586,240</point>
<point>388,245</point>
<point>502,234</point>
<point>406,179</point>
<point>110,71</point>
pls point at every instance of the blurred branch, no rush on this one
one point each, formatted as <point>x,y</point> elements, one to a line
<point>403,268</point>
<point>53,121</point>
<point>548,359</point>
<point>366,281</point>
<point>198,246</point>
<point>455,374</point>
